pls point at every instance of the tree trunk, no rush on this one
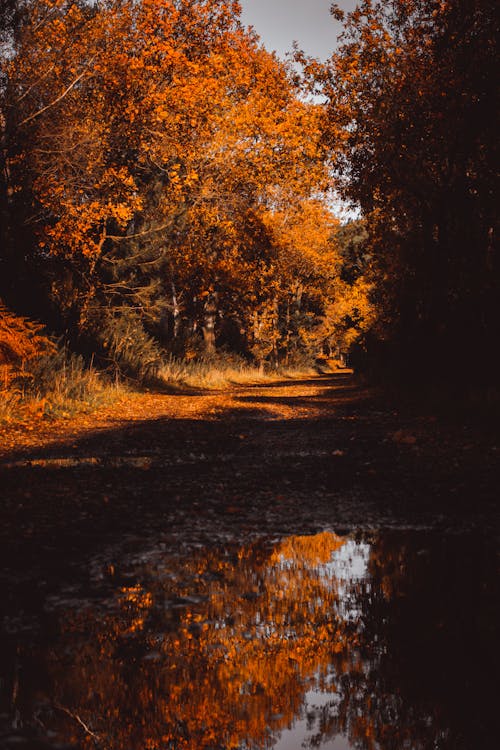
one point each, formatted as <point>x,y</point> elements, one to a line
<point>6,197</point>
<point>275,332</point>
<point>209,318</point>
<point>288,332</point>
<point>175,312</point>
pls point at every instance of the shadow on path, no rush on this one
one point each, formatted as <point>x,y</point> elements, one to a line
<point>338,463</point>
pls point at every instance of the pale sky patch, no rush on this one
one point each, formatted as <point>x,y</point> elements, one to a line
<point>308,22</point>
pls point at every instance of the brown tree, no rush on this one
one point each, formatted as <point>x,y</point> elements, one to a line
<point>411,122</point>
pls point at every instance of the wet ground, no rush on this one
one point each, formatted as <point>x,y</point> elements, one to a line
<point>285,566</point>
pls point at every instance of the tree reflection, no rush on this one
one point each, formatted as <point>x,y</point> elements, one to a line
<point>220,650</point>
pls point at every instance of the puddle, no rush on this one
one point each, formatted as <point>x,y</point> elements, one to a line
<point>380,641</point>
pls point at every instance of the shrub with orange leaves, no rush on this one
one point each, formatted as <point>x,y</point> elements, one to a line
<point>21,340</point>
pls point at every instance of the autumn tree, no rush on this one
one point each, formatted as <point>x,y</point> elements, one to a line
<point>304,265</point>
<point>168,182</point>
<point>411,123</point>
<point>352,313</point>
<point>146,143</point>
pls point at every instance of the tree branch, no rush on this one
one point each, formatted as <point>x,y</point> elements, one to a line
<point>139,234</point>
<point>56,101</point>
<point>77,718</point>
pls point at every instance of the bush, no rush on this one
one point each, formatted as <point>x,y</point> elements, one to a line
<point>127,347</point>
<point>21,341</point>
<point>60,383</point>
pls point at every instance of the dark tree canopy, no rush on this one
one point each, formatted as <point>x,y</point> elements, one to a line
<point>412,123</point>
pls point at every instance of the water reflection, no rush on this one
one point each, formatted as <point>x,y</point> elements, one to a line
<point>318,641</point>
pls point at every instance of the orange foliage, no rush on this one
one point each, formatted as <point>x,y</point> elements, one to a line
<point>238,640</point>
<point>171,165</point>
<point>168,120</point>
<point>20,340</point>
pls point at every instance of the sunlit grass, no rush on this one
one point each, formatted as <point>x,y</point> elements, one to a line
<point>10,404</point>
<point>59,384</point>
<point>224,371</point>
<point>62,385</point>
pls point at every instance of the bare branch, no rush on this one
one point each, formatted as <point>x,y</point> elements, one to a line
<point>139,234</point>
<point>35,84</point>
<point>78,719</point>
<point>56,101</point>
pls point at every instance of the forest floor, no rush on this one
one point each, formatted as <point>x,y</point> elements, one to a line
<point>323,451</point>
<point>123,500</point>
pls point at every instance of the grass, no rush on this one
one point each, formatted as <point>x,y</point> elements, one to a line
<point>221,371</point>
<point>61,384</point>
<point>40,377</point>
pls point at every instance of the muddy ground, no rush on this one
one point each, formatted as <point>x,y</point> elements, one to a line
<point>130,499</point>
<point>308,453</point>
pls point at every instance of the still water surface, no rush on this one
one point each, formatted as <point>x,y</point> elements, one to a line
<point>334,642</point>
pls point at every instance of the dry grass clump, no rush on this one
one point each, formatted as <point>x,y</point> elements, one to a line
<point>64,383</point>
<point>39,378</point>
<point>56,385</point>
<point>222,370</point>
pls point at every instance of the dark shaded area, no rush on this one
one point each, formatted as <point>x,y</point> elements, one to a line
<point>77,523</point>
<point>418,103</point>
<point>350,461</point>
<point>166,641</point>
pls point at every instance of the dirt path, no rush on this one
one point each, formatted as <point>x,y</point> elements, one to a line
<point>287,399</point>
<point>319,453</point>
<point>128,500</point>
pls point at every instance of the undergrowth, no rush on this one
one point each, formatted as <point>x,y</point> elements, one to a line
<point>62,384</point>
<point>222,370</point>
<point>40,377</point>
<point>58,384</point>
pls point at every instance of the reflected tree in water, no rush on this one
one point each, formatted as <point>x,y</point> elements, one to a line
<point>221,649</point>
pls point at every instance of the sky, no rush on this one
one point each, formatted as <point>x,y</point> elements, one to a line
<point>281,22</point>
